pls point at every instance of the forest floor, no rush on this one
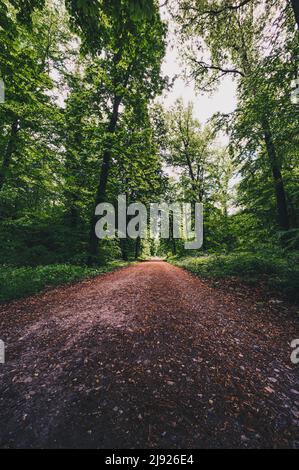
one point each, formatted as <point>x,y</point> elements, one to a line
<point>149,357</point>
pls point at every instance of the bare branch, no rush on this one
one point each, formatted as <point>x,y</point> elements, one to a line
<point>219,10</point>
<point>217,68</point>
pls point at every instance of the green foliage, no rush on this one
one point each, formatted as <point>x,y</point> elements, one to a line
<point>23,9</point>
<point>235,41</point>
<point>190,148</point>
<point>16,283</point>
<point>90,19</point>
<point>280,274</point>
<point>53,148</point>
<point>205,173</point>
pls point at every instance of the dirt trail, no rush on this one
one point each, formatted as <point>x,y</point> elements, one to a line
<point>148,356</point>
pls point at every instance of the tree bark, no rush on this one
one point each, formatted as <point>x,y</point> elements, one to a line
<point>101,191</point>
<point>172,239</point>
<point>124,249</point>
<point>282,208</point>
<point>137,247</point>
<point>72,215</point>
<point>281,200</point>
<point>10,148</point>
<point>295,5</point>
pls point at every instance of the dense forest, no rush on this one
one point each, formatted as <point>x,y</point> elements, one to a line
<point>83,122</point>
<point>140,339</point>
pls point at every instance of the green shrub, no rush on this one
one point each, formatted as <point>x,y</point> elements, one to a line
<point>281,274</point>
<point>16,283</point>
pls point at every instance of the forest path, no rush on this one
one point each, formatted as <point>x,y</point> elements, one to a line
<point>148,356</point>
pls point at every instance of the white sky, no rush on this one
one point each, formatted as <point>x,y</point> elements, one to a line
<point>205,105</point>
<point>224,100</point>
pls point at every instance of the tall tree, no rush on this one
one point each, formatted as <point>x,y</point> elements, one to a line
<point>295,6</point>
<point>235,36</point>
<point>189,148</point>
<point>132,48</point>
<point>28,64</point>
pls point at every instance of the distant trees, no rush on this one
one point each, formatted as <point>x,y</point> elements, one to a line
<point>203,169</point>
<point>190,148</point>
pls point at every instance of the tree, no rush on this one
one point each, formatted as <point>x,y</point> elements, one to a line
<point>296,10</point>
<point>235,36</point>
<point>32,63</point>
<point>24,10</point>
<point>132,48</point>
<point>25,85</point>
<point>189,148</point>
<point>137,169</point>
<point>203,171</point>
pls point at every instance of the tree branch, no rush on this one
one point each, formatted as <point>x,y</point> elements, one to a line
<point>221,10</point>
<point>217,68</point>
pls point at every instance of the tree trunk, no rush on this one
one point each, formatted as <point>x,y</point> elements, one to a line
<point>282,208</point>
<point>8,152</point>
<point>173,241</point>
<point>72,196</point>
<point>124,249</point>
<point>174,250</point>
<point>137,247</point>
<point>73,216</point>
<point>101,191</point>
<point>295,6</point>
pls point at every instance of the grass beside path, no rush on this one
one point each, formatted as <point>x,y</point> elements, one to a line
<point>279,274</point>
<point>19,282</point>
